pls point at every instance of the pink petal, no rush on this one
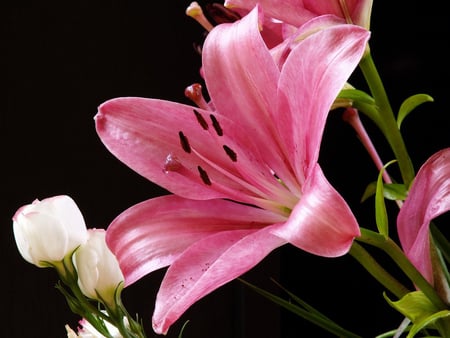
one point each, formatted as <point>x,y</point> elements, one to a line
<point>152,234</point>
<point>242,78</point>
<point>240,74</point>
<point>145,135</point>
<point>428,198</point>
<point>322,222</point>
<point>297,12</point>
<point>207,265</point>
<point>289,11</point>
<point>325,60</point>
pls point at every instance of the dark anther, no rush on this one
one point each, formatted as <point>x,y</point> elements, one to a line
<point>220,14</point>
<point>201,120</point>
<point>184,142</point>
<point>230,152</point>
<point>204,175</point>
<point>216,125</point>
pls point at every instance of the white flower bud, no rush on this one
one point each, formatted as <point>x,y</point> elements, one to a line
<point>48,230</point>
<point>99,272</point>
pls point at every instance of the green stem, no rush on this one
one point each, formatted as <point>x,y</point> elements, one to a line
<point>69,277</point>
<point>386,121</point>
<point>393,250</point>
<point>377,271</point>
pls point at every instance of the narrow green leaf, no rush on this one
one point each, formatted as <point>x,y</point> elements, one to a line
<point>182,329</point>
<point>381,217</point>
<point>426,322</point>
<point>369,192</point>
<point>410,104</point>
<point>356,95</point>
<point>318,320</point>
<point>391,191</point>
<point>301,302</point>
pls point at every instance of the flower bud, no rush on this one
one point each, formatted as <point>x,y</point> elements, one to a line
<point>48,230</point>
<point>86,330</point>
<point>99,272</point>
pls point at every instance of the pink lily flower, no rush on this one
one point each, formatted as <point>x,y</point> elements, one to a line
<point>297,12</point>
<point>428,198</point>
<point>243,168</point>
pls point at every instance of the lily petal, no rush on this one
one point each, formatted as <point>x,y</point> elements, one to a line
<point>145,134</point>
<point>322,222</point>
<point>428,198</point>
<point>238,56</point>
<point>246,92</point>
<point>325,59</point>
<point>207,265</point>
<point>154,233</point>
<point>297,12</point>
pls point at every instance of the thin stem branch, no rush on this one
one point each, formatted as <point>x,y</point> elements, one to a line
<point>386,120</point>
<point>393,250</point>
<point>377,271</point>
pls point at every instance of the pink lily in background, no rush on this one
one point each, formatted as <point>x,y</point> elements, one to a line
<point>297,12</point>
<point>243,168</point>
<point>428,198</point>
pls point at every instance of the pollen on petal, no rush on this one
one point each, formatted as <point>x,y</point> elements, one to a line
<point>184,142</point>
<point>201,120</point>
<point>204,175</point>
<point>230,152</point>
<point>216,125</point>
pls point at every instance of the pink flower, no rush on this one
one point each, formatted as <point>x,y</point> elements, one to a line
<point>245,170</point>
<point>297,12</point>
<point>428,198</point>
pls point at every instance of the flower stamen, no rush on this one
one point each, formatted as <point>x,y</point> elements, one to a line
<point>345,11</point>
<point>194,93</point>
<point>171,164</point>
<point>194,10</point>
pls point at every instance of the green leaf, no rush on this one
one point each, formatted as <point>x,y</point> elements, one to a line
<point>381,217</point>
<point>301,302</point>
<point>356,95</point>
<point>420,310</point>
<point>395,191</point>
<point>363,102</point>
<point>425,322</point>
<point>414,305</point>
<point>369,192</point>
<point>391,191</point>
<point>182,329</point>
<point>410,104</point>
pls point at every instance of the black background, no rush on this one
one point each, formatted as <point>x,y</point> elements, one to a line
<point>65,58</point>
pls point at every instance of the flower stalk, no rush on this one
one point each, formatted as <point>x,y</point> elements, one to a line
<point>377,271</point>
<point>385,118</point>
<point>387,245</point>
